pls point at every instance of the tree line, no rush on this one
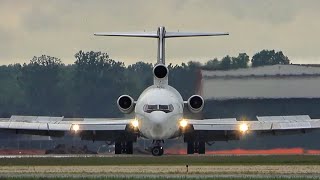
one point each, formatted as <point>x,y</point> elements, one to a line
<point>91,86</point>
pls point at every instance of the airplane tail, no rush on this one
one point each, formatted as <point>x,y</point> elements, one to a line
<point>192,34</point>
<point>161,35</point>
<point>155,35</point>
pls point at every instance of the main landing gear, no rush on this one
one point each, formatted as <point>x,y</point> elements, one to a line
<point>124,147</point>
<point>157,149</point>
<point>196,147</point>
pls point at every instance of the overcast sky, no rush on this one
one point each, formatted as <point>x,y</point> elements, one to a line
<point>61,28</point>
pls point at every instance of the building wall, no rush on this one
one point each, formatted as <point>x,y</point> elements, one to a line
<point>262,87</point>
<point>278,81</point>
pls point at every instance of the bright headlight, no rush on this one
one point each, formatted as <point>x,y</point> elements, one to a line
<point>75,127</point>
<point>243,128</point>
<point>135,123</point>
<point>183,123</point>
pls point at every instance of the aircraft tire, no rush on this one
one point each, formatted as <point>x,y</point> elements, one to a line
<point>202,147</point>
<point>190,147</point>
<point>129,147</point>
<point>118,148</point>
<point>157,151</point>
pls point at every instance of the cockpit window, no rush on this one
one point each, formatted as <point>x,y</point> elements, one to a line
<point>152,107</point>
<point>165,108</point>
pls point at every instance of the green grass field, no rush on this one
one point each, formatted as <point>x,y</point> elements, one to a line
<point>164,160</point>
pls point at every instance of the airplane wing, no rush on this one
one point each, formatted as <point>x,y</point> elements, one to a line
<point>231,129</point>
<point>86,128</point>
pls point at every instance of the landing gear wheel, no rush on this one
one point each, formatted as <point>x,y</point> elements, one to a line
<point>202,147</point>
<point>117,148</point>
<point>129,147</point>
<point>190,148</point>
<point>157,151</point>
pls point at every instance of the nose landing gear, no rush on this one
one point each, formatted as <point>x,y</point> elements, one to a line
<point>157,149</point>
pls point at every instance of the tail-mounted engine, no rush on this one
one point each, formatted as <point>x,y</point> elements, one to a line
<point>195,104</point>
<point>160,71</point>
<point>125,104</point>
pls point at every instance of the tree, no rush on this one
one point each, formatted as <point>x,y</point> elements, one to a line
<point>40,83</point>
<point>140,77</point>
<point>280,58</point>
<point>213,64</point>
<point>11,95</point>
<point>184,77</point>
<point>98,81</point>
<point>269,57</point>
<point>241,61</point>
<point>226,63</point>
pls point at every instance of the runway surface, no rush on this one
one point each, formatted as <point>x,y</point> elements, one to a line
<point>145,155</point>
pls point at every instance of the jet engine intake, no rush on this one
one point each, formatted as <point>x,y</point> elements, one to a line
<point>195,104</point>
<point>125,104</point>
<point>160,71</point>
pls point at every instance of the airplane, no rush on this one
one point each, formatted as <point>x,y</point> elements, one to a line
<point>158,115</point>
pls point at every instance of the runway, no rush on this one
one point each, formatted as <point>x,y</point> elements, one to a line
<point>145,155</point>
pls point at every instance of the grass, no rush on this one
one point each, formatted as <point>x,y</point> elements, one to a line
<point>155,178</point>
<point>164,160</point>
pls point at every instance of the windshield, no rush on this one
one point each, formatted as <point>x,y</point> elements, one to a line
<point>148,108</point>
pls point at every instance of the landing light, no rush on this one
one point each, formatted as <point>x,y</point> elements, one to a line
<point>75,127</point>
<point>183,123</point>
<point>135,123</point>
<point>243,128</point>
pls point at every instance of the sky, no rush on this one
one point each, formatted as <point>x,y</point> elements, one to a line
<point>61,28</point>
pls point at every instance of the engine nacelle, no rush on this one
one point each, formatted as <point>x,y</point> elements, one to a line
<point>160,71</point>
<point>125,104</point>
<point>195,104</point>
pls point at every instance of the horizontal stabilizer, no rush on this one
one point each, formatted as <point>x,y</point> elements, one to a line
<point>155,34</point>
<point>192,34</point>
<point>161,34</point>
<point>129,34</point>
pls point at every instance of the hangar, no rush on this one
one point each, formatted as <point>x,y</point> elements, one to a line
<point>263,91</point>
<point>266,90</point>
<point>277,81</point>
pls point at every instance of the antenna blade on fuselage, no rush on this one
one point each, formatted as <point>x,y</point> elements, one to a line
<point>193,34</point>
<point>128,34</point>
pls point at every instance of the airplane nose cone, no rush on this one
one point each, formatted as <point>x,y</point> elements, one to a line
<point>159,119</point>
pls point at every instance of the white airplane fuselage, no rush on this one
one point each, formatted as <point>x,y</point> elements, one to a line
<point>157,124</point>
